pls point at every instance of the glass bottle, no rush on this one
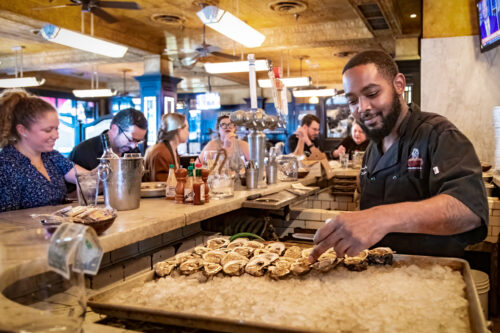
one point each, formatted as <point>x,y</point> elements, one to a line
<point>188,188</point>
<point>199,189</point>
<point>171,184</point>
<point>106,146</point>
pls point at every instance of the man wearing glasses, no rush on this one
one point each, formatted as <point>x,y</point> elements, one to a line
<point>127,131</point>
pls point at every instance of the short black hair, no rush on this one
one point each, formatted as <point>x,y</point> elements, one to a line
<point>308,119</point>
<point>383,61</point>
<point>130,117</point>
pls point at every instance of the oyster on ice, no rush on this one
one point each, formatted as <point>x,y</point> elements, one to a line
<point>276,247</point>
<point>210,269</point>
<point>254,244</point>
<point>380,256</point>
<point>200,250</point>
<point>257,265</point>
<point>232,256</point>
<point>258,252</point>
<point>237,242</point>
<point>326,261</point>
<point>214,256</point>
<point>357,263</point>
<point>300,266</point>
<point>280,268</point>
<point>217,243</point>
<point>244,251</point>
<point>235,267</point>
<point>306,252</point>
<point>191,266</point>
<point>181,257</point>
<point>293,252</point>
<point>164,268</point>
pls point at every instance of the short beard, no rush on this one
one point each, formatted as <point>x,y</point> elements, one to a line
<point>388,122</point>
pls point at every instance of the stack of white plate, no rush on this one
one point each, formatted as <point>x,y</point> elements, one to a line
<point>496,124</point>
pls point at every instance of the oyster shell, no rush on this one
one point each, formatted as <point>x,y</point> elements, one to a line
<point>237,242</point>
<point>200,250</point>
<point>257,265</point>
<point>191,266</point>
<point>214,256</point>
<point>210,269</point>
<point>164,268</point>
<point>232,256</point>
<point>300,266</point>
<point>181,257</point>
<point>217,243</point>
<point>357,263</point>
<point>293,252</point>
<point>258,252</point>
<point>306,252</point>
<point>380,256</point>
<point>235,267</point>
<point>254,244</point>
<point>280,268</point>
<point>276,247</point>
<point>244,251</point>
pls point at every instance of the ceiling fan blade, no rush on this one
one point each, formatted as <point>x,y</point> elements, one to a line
<point>225,55</point>
<point>60,6</point>
<point>118,4</point>
<point>190,62</point>
<point>103,14</point>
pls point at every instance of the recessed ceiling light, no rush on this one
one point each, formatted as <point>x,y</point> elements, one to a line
<point>413,15</point>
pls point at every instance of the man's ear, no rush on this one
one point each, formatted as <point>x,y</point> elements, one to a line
<point>113,130</point>
<point>399,83</point>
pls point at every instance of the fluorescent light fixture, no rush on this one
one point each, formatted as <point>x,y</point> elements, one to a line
<point>87,93</point>
<point>234,66</point>
<point>314,92</point>
<point>20,82</point>
<point>83,42</point>
<point>303,81</point>
<point>230,26</point>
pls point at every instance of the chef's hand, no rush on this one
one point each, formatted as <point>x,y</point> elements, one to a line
<point>349,233</point>
<point>339,151</point>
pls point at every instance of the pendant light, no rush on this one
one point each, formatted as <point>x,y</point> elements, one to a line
<point>19,81</point>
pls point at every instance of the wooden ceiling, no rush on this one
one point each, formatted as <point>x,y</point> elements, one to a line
<point>324,33</point>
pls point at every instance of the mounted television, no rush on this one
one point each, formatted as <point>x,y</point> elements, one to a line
<point>208,101</point>
<point>489,23</point>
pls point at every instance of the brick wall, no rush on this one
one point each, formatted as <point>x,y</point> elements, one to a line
<point>494,225</point>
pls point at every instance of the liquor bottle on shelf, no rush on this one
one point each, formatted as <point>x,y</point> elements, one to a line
<point>171,184</point>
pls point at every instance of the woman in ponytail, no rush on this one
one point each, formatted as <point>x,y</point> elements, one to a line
<point>32,173</point>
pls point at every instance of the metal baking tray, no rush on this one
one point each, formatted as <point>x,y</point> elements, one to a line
<point>152,189</point>
<point>100,303</point>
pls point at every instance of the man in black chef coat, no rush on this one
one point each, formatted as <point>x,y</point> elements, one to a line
<point>420,183</point>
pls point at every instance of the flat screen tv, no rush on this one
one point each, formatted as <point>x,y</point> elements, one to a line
<point>489,23</point>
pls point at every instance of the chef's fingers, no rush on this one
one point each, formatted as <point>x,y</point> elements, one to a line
<point>342,247</point>
<point>327,243</point>
<point>325,231</point>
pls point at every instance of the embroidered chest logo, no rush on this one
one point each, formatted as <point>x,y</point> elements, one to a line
<point>363,171</point>
<point>415,163</point>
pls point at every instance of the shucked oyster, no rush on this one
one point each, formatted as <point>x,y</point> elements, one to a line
<point>293,252</point>
<point>237,242</point>
<point>181,257</point>
<point>235,267</point>
<point>326,261</point>
<point>244,251</point>
<point>257,265</point>
<point>217,243</point>
<point>306,252</point>
<point>280,268</point>
<point>300,266</point>
<point>276,247</point>
<point>200,250</point>
<point>380,256</point>
<point>232,256</point>
<point>357,263</point>
<point>191,266</point>
<point>164,268</point>
<point>254,244</point>
<point>258,252</point>
<point>210,269</point>
<point>214,256</point>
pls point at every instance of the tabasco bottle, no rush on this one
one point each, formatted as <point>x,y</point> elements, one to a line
<point>171,184</point>
<point>199,189</point>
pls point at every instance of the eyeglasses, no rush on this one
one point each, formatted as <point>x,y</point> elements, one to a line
<point>130,140</point>
<point>226,125</point>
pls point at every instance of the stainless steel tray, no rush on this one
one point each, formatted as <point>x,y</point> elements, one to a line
<point>152,189</point>
<point>100,303</point>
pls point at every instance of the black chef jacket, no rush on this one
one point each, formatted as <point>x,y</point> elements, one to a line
<point>430,157</point>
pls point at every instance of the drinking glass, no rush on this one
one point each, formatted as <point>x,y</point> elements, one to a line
<point>86,188</point>
<point>344,160</point>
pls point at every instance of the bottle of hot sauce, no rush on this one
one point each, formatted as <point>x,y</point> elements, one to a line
<point>199,189</point>
<point>180,175</point>
<point>171,184</point>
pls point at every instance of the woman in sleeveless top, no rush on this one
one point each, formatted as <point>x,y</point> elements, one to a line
<point>173,131</point>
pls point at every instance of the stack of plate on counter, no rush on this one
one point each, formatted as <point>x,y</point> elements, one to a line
<point>496,123</point>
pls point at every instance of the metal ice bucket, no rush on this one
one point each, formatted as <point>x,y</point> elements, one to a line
<point>122,182</point>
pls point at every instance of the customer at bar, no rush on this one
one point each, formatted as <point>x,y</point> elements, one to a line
<point>352,143</point>
<point>173,131</point>
<point>32,173</point>
<point>306,136</point>
<point>227,139</point>
<point>420,183</point>
<point>128,129</point>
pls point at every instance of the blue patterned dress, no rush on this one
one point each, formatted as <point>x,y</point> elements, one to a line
<point>23,186</point>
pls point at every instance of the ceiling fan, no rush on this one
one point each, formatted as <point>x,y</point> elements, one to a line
<point>189,60</point>
<point>95,7</point>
